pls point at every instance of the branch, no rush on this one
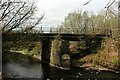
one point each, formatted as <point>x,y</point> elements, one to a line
<point>13,16</point>
<point>109,5</point>
<point>30,28</point>
<point>18,23</point>
<point>8,5</point>
<point>87,2</point>
<point>6,14</point>
<point>0,1</point>
<point>113,14</point>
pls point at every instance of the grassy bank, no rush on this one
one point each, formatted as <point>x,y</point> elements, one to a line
<point>107,57</point>
<point>34,50</point>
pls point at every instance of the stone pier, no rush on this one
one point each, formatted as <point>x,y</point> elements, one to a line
<point>55,49</point>
<point>46,49</point>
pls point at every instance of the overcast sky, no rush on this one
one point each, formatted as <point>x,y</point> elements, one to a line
<point>56,10</point>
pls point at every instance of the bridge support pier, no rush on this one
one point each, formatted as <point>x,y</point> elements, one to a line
<point>46,49</point>
<point>59,50</point>
<point>54,55</point>
<point>64,54</point>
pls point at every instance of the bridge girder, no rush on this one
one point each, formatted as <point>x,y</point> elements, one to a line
<point>40,36</point>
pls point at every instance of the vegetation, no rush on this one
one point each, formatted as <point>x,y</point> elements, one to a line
<point>107,57</point>
<point>89,23</point>
<point>85,22</point>
<point>16,14</point>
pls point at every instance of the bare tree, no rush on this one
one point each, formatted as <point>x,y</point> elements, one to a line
<point>18,14</point>
<point>107,7</point>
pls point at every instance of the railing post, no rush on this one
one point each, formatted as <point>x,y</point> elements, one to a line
<point>98,31</point>
<point>41,29</point>
<point>59,30</point>
<point>50,29</point>
<point>77,31</point>
<point>93,30</point>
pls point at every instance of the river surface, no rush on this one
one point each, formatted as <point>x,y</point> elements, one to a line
<point>23,69</point>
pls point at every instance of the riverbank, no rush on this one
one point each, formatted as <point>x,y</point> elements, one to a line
<point>91,66</point>
<point>107,58</point>
<point>8,56</point>
<point>98,68</point>
<point>85,65</point>
<point>24,63</point>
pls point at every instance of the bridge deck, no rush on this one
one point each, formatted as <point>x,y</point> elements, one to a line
<point>39,36</point>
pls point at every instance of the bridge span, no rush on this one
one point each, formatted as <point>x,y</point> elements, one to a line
<point>55,43</point>
<point>39,36</point>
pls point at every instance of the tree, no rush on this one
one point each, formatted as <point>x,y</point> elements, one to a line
<point>18,14</point>
<point>108,6</point>
<point>84,22</point>
<point>75,22</point>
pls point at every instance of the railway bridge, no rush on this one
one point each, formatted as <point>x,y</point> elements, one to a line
<point>54,45</point>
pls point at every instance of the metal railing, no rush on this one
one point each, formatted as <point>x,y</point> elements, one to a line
<point>68,30</point>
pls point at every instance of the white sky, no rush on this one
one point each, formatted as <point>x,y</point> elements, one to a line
<point>56,10</point>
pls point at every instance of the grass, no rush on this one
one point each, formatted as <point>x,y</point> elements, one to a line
<point>31,51</point>
<point>107,57</point>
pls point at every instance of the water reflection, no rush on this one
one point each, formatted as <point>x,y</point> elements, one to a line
<point>22,70</point>
<point>16,69</point>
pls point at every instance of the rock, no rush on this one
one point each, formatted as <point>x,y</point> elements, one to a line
<point>80,74</point>
<point>98,72</point>
<point>77,76</point>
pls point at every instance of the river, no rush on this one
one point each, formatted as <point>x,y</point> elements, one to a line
<point>27,69</point>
